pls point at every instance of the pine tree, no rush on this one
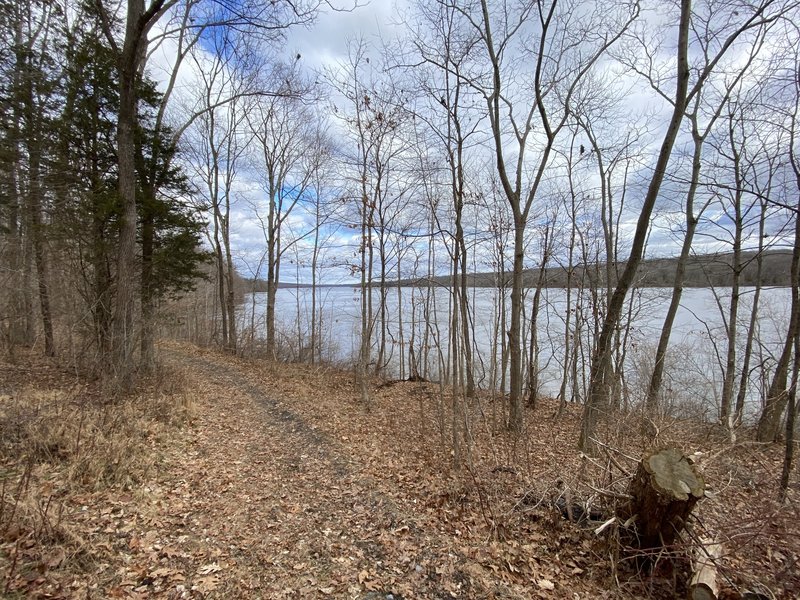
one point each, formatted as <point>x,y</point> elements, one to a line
<point>90,210</point>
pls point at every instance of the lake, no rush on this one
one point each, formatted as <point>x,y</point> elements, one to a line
<point>693,374</point>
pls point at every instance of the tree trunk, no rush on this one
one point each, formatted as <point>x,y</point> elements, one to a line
<point>751,329</point>
<point>315,340</point>
<point>461,250</point>
<point>147,359</point>
<point>565,375</point>
<point>657,376</point>
<point>221,280</point>
<point>366,304</point>
<point>230,272</point>
<point>29,321</point>
<point>777,397</point>
<point>533,358</point>
<point>601,372</point>
<point>102,281</point>
<point>455,377</point>
<point>400,334</point>
<point>33,142</point>
<point>36,233</point>
<point>726,399</point>
<point>515,419</point>
<point>703,585</point>
<point>272,258</point>
<point>381,358</point>
<point>125,298</point>
<point>20,305</point>
<point>788,457</point>
<point>460,246</point>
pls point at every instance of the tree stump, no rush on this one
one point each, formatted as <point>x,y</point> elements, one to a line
<point>663,493</point>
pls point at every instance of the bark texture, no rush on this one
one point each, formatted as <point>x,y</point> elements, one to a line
<point>703,585</point>
<point>664,491</point>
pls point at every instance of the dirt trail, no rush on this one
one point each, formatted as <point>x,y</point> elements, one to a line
<point>257,480</point>
<point>263,504</point>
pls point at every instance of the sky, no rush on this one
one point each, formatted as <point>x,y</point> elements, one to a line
<point>323,46</point>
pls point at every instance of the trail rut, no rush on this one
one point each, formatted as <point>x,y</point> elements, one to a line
<point>281,508</point>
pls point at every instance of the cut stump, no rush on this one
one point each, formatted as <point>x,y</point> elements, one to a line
<point>663,493</point>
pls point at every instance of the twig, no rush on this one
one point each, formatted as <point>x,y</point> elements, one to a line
<point>615,462</point>
<point>524,496</point>
<point>484,504</point>
<point>610,493</point>
<point>620,452</point>
<point>12,568</point>
<point>22,486</point>
<point>630,521</point>
<point>604,526</point>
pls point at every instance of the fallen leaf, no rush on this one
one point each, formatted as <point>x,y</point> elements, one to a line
<point>207,583</point>
<point>546,584</point>
<point>55,558</point>
<point>209,568</point>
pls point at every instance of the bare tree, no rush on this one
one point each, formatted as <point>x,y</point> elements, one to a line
<point>703,112</point>
<point>762,173</point>
<point>547,230</point>
<point>218,144</point>
<point>778,393</point>
<point>349,81</point>
<point>282,127</point>
<point>324,229</point>
<point>443,43</point>
<point>726,32</point>
<point>558,65</point>
<point>131,49</point>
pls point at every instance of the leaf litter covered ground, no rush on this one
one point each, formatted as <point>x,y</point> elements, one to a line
<point>282,486</point>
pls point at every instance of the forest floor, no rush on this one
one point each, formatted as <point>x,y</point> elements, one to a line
<point>228,478</point>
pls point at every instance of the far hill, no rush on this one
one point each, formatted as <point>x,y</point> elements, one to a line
<point>701,271</point>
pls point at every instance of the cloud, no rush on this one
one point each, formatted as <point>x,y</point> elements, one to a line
<point>324,43</point>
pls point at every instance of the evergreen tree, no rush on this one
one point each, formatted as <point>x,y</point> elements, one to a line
<point>168,228</point>
<point>29,80</point>
<point>88,206</point>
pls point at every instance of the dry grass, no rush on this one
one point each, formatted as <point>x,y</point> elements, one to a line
<point>60,440</point>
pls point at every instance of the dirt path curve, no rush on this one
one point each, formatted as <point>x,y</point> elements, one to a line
<point>257,503</point>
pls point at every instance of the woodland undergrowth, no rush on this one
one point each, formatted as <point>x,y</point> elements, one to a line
<point>511,493</point>
<point>66,441</point>
<point>106,495</point>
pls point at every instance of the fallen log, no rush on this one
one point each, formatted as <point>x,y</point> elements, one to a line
<point>663,493</point>
<point>703,585</point>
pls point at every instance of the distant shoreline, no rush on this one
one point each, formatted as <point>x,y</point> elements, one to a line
<point>702,271</point>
